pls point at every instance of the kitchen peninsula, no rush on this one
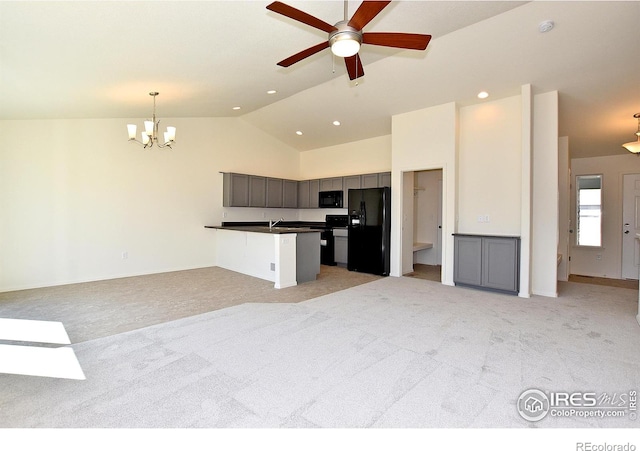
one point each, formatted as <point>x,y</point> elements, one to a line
<point>286,256</point>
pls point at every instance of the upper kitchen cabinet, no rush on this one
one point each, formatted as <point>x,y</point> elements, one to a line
<point>369,181</point>
<point>274,192</point>
<point>314,189</point>
<point>257,191</point>
<point>290,194</point>
<point>384,179</point>
<point>331,184</point>
<point>308,193</point>
<point>350,182</point>
<point>303,194</point>
<point>235,190</point>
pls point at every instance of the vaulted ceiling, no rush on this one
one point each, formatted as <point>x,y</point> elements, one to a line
<point>99,59</point>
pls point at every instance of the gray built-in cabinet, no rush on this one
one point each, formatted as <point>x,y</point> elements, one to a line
<point>487,261</point>
<point>243,190</point>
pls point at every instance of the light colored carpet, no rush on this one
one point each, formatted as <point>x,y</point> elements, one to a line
<point>99,309</point>
<point>395,352</point>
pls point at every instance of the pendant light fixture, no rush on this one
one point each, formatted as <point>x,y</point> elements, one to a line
<point>634,146</point>
<point>149,136</point>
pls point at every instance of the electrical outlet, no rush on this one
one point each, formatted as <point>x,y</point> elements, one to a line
<point>480,218</point>
<point>273,266</point>
<point>125,255</point>
<point>224,214</point>
<point>486,218</point>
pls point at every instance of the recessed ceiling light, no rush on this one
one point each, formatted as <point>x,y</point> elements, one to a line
<point>299,133</point>
<point>336,123</point>
<point>271,91</point>
<point>236,107</point>
<point>483,95</point>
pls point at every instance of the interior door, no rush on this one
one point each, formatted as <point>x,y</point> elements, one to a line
<point>630,226</point>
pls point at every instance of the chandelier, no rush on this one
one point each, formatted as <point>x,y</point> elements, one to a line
<point>634,146</point>
<point>149,136</point>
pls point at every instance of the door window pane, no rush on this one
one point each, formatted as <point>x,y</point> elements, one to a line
<point>589,210</point>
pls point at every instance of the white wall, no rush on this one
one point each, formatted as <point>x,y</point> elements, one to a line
<point>422,140</point>
<point>75,196</point>
<point>489,175</point>
<point>359,157</point>
<point>613,168</point>
<point>544,232</point>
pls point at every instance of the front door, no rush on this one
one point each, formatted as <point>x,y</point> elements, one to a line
<point>630,226</point>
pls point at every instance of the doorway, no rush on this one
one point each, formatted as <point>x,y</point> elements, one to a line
<point>427,224</point>
<point>630,226</point>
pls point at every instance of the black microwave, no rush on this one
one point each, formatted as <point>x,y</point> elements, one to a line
<point>330,199</point>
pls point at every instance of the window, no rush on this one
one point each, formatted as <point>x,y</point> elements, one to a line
<point>589,209</point>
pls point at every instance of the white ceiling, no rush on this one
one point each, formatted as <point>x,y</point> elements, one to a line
<point>99,59</point>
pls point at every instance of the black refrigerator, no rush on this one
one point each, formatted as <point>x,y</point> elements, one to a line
<point>369,230</point>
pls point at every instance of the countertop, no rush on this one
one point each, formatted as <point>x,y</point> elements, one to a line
<point>265,229</point>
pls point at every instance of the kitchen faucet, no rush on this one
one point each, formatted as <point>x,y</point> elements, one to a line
<point>273,223</point>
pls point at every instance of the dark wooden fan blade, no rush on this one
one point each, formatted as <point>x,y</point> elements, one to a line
<point>354,66</point>
<point>304,54</point>
<point>365,13</point>
<point>300,16</point>
<point>401,40</point>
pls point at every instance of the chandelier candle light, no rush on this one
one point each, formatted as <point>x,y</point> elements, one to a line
<point>150,134</point>
<point>634,146</point>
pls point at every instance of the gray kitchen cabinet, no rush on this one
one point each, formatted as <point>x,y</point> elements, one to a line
<point>274,192</point>
<point>235,190</point>
<point>369,181</point>
<point>488,262</point>
<point>351,182</point>
<point>314,189</point>
<point>303,194</point>
<point>341,246</point>
<point>308,193</point>
<point>257,191</point>
<point>290,194</point>
<point>384,179</point>
<point>331,184</point>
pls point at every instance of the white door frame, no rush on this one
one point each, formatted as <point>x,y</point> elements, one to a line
<point>630,255</point>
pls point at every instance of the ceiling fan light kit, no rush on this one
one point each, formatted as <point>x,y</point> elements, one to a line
<point>345,41</point>
<point>634,146</point>
<point>149,136</point>
<point>345,37</point>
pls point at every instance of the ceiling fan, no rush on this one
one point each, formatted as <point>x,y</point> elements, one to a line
<point>346,36</point>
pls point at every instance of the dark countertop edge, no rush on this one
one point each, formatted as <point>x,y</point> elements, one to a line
<point>486,235</point>
<point>265,229</point>
<point>266,223</point>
